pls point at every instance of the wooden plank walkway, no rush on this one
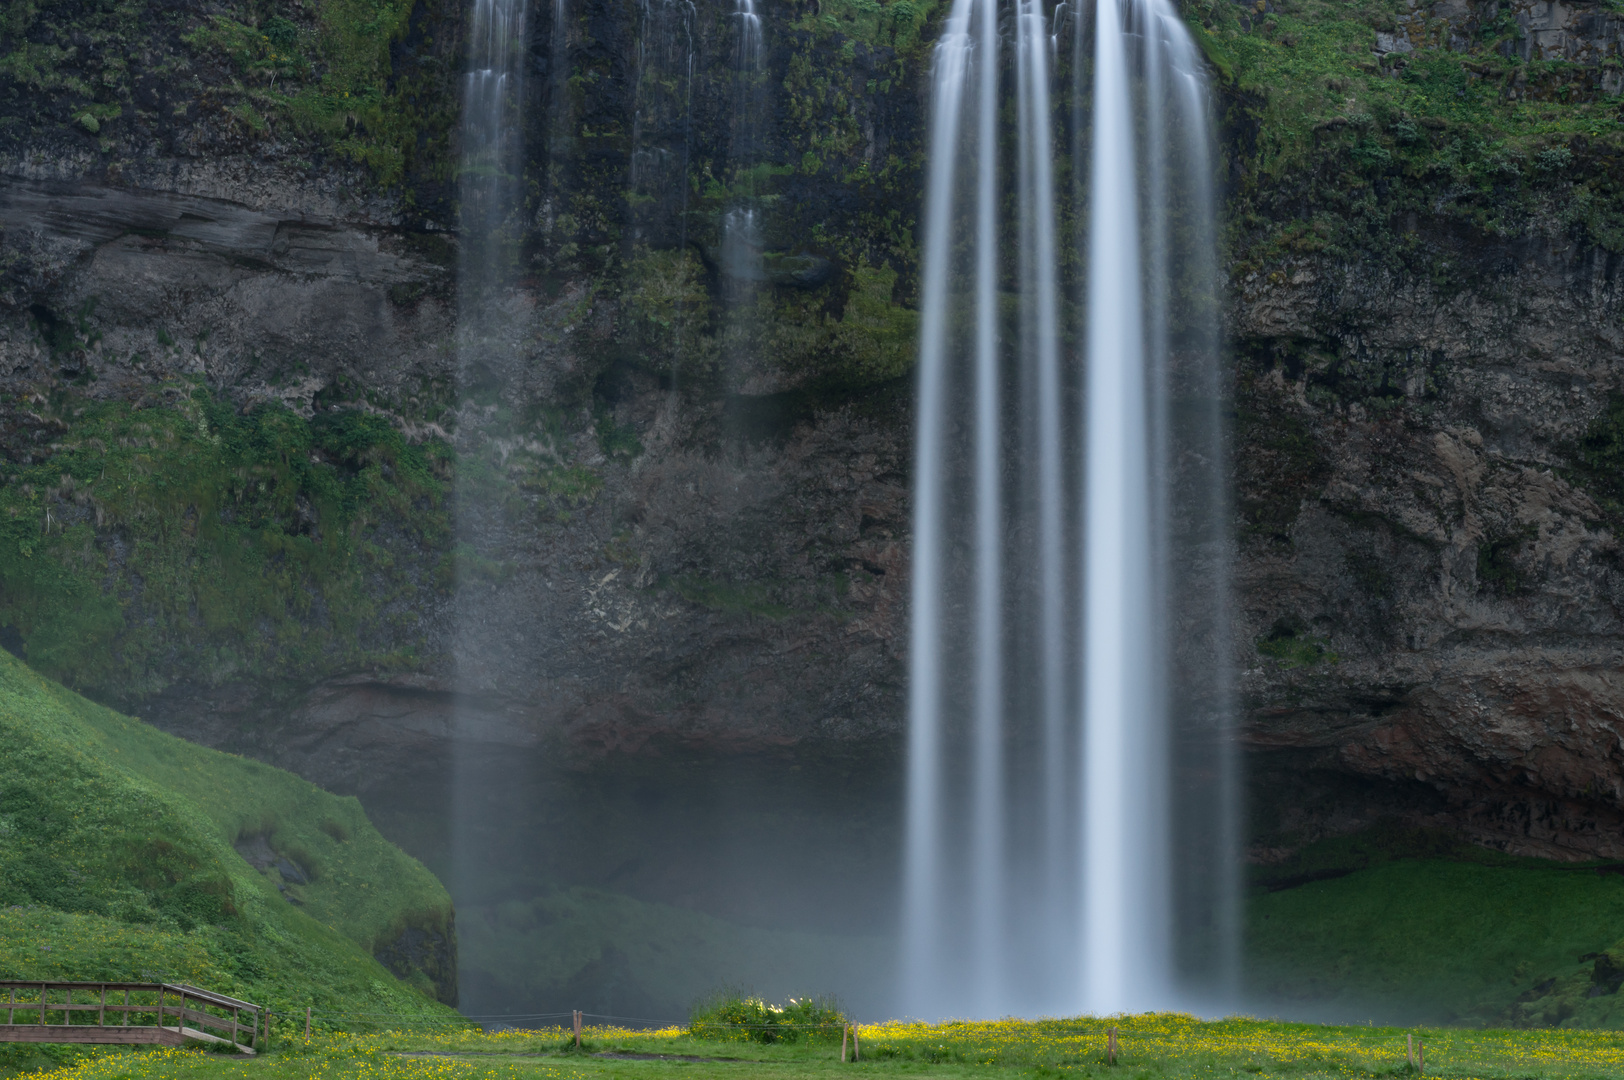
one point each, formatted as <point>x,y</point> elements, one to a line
<point>164,1014</point>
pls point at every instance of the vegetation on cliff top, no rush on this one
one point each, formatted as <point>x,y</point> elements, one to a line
<point>1339,147</point>
<point>125,855</point>
<point>363,79</point>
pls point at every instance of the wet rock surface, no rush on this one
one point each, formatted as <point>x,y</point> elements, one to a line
<point>1447,593</point>
<point>1427,614</point>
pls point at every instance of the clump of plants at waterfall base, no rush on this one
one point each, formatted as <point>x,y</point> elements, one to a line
<point>730,1015</point>
<point>188,536</point>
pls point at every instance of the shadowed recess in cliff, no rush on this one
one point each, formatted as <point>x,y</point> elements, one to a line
<point>1071,813</point>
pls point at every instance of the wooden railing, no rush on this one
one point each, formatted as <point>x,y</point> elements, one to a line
<point>167,1013</point>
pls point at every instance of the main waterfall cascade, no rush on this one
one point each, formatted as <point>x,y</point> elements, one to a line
<point>1071,822</point>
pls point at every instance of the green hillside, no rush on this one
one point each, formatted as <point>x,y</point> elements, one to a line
<point>1406,926</point>
<point>126,853</point>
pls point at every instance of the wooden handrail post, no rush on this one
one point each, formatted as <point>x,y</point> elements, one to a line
<point>42,1004</point>
<point>1110,1046</point>
<point>845,1031</point>
<point>267,1040</point>
<point>576,1016</point>
<point>856,1045</point>
<point>126,1020</point>
<point>1409,1049</point>
<point>1420,1057</point>
<point>101,1013</point>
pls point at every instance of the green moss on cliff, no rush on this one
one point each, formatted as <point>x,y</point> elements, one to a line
<point>362,78</point>
<point>1292,646</point>
<point>141,542</point>
<point>1360,144</point>
<point>668,313</point>
<point>871,340</point>
<point>117,862</point>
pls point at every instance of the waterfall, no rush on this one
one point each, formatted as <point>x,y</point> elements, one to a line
<point>488,182</point>
<point>488,189</point>
<point>1071,825</point>
<point>741,222</point>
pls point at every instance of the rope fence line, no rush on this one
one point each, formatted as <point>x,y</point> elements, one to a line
<point>1437,1049</point>
<point>1343,1037</point>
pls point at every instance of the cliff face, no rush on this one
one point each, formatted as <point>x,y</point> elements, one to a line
<point>244,469</point>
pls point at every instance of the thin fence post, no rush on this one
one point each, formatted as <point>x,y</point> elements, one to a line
<point>307,1023</point>
<point>1420,1057</point>
<point>266,1041</point>
<point>1409,1049</point>
<point>845,1032</point>
<point>101,1014</point>
<point>1110,1046</point>
<point>576,1016</point>
<point>856,1045</point>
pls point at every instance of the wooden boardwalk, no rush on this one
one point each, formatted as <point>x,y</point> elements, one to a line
<point>162,1014</point>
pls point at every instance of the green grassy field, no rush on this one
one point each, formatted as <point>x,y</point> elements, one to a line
<point>1150,1047</point>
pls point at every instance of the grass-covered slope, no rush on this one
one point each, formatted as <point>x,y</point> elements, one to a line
<point>119,859</point>
<point>1411,927</point>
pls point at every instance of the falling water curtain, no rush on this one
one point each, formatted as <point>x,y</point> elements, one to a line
<point>1071,820</point>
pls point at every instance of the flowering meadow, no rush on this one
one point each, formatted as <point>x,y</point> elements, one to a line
<point>1150,1047</point>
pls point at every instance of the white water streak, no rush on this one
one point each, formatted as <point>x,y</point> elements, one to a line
<point>987,921</point>
<point>1040,827</point>
<point>924,925</point>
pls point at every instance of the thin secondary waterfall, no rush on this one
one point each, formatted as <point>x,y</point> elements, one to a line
<point>1070,832</point>
<point>741,224</point>
<point>488,190</point>
<point>488,176</point>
